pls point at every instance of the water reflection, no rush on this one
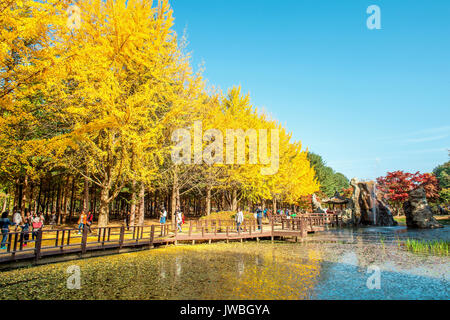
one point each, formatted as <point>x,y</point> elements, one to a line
<point>332,265</point>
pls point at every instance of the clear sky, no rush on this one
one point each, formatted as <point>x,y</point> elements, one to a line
<point>368,101</point>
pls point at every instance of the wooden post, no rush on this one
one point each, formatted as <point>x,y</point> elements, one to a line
<point>203,232</point>
<point>272,231</point>
<point>176,235</point>
<point>122,236</point>
<point>303,227</point>
<point>62,239</point>
<point>190,228</point>
<point>228,232</point>
<point>84,240</point>
<point>152,235</point>
<point>37,245</point>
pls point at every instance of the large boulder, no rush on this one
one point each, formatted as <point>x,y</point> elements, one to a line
<point>316,205</point>
<point>369,206</point>
<point>418,212</point>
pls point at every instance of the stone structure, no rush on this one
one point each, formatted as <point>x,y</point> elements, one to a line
<point>369,206</point>
<point>418,212</point>
<point>316,206</point>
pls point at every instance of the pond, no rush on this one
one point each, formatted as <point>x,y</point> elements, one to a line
<point>335,264</point>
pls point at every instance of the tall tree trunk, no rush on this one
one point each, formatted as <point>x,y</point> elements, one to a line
<point>208,200</point>
<point>94,206</point>
<point>234,201</point>
<point>103,218</point>
<point>38,202</point>
<point>175,194</point>
<point>141,205</point>
<point>274,205</point>
<point>72,199</point>
<point>86,195</point>
<point>133,203</point>
<point>5,203</point>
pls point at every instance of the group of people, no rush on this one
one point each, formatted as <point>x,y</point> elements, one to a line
<point>179,217</point>
<point>24,222</point>
<point>85,220</point>
<point>286,213</point>
<point>259,214</point>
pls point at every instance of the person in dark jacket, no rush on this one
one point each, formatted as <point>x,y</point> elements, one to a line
<point>4,225</point>
<point>259,216</point>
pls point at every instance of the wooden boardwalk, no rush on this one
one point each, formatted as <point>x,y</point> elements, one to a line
<point>56,243</point>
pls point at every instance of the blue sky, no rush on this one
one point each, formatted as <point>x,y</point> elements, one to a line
<point>368,101</point>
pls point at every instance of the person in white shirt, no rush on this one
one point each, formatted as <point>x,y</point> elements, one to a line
<point>163,215</point>
<point>179,218</point>
<point>239,219</point>
<point>17,219</point>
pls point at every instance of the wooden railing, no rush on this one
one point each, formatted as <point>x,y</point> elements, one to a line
<point>22,245</point>
<point>53,242</point>
<point>315,219</point>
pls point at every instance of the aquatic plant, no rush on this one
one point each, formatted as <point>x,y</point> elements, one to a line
<point>438,247</point>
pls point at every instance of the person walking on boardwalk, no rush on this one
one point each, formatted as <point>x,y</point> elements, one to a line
<point>89,221</point>
<point>163,215</point>
<point>24,234</point>
<point>37,224</point>
<point>179,219</point>
<point>17,219</point>
<point>259,216</point>
<point>4,225</point>
<point>127,219</point>
<point>82,222</point>
<point>239,219</point>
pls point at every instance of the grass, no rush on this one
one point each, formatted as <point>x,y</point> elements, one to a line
<point>437,247</point>
<point>445,220</point>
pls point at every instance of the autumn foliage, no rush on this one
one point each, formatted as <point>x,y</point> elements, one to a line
<point>97,105</point>
<point>396,186</point>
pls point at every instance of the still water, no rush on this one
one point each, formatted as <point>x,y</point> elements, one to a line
<point>330,265</point>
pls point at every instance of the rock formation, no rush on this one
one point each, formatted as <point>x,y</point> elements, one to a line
<point>316,206</point>
<point>418,212</point>
<point>369,206</point>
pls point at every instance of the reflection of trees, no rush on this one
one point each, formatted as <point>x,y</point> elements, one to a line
<point>270,275</point>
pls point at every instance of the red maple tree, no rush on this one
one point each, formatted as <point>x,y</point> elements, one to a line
<point>396,186</point>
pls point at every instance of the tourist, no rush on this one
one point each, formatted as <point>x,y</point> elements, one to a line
<point>259,216</point>
<point>42,220</point>
<point>17,219</point>
<point>24,234</point>
<point>4,225</point>
<point>265,213</point>
<point>179,219</point>
<point>239,219</point>
<point>89,220</point>
<point>37,224</point>
<point>163,215</point>
<point>81,222</point>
